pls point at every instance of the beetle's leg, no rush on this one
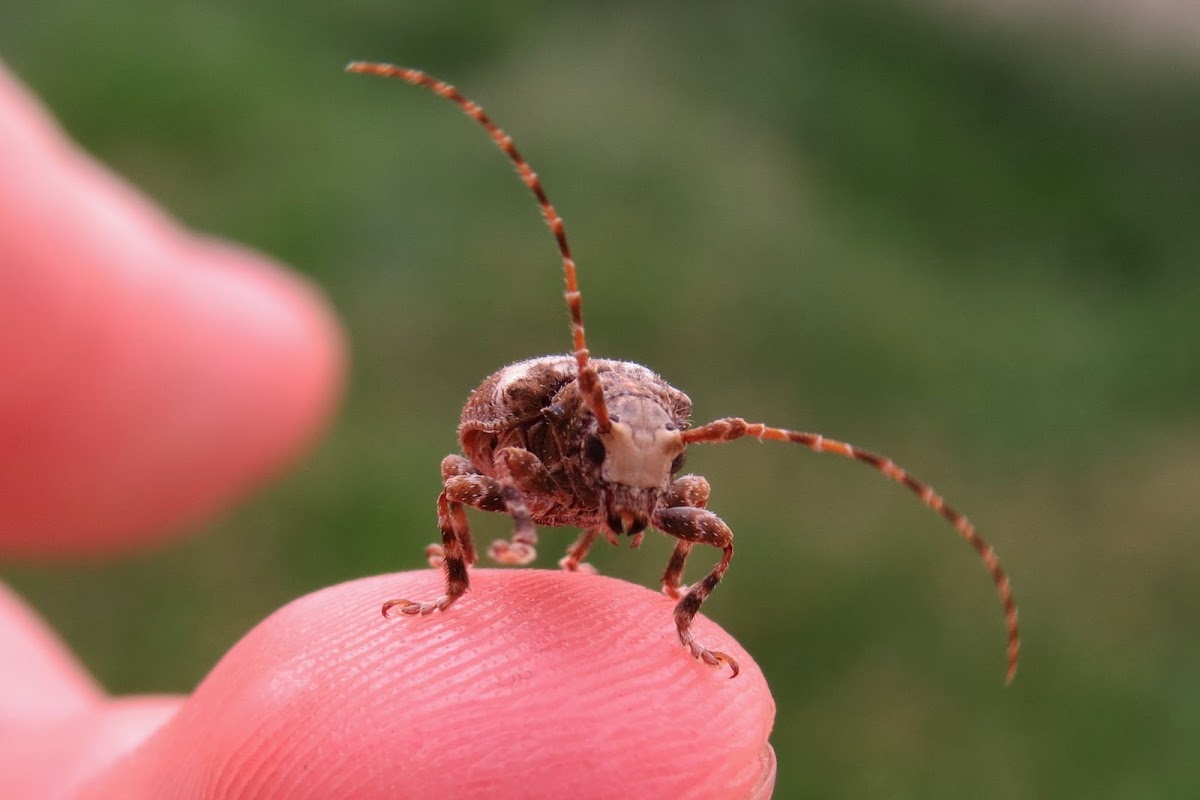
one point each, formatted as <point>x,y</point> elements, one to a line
<point>573,561</point>
<point>528,472</point>
<point>467,486</point>
<point>690,491</point>
<point>672,577</point>
<point>457,465</point>
<point>454,466</point>
<point>518,471</point>
<point>697,526</point>
<point>455,553</point>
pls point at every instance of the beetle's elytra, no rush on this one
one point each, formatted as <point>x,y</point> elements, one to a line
<point>598,445</point>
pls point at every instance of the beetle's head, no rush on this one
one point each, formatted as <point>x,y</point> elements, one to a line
<point>634,460</point>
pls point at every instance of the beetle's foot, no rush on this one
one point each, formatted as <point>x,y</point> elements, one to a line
<point>413,609</point>
<point>506,552</point>
<point>714,658</point>
<point>572,564</point>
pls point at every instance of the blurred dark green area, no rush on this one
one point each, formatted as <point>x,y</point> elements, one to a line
<point>972,249</point>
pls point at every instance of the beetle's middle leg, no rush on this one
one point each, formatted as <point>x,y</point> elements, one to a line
<point>517,472</point>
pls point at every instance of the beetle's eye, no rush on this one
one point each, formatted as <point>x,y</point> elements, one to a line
<point>593,450</point>
<point>678,463</point>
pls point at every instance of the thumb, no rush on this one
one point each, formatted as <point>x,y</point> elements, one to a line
<point>536,685</point>
<point>149,377</point>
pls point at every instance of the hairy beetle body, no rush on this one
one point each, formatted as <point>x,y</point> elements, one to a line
<point>536,406</point>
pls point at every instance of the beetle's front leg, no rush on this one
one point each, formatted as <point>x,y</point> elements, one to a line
<point>690,491</point>
<point>698,526</point>
<point>454,554</point>
<point>454,466</point>
<point>465,485</point>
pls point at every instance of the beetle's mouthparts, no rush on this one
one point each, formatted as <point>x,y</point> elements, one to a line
<point>629,522</point>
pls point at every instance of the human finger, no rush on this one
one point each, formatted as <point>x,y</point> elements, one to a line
<point>57,727</point>
<point>150,376</point>
<point>536,684</point>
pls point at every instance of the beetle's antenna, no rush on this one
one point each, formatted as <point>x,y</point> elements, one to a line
<point>589,381</point>
<point>725,430</point>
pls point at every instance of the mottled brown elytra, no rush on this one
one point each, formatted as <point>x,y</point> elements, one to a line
<point>597,444</point>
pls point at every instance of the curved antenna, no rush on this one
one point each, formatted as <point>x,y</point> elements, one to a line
<point>730,428</point>
<point>589,381</point>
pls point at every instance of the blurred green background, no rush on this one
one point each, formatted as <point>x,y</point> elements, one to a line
<point>971,247</point>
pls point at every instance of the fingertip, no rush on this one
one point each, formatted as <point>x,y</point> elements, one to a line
<point>764,785</point>
<point>536,684</point>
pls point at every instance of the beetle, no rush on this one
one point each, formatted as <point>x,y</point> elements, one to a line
<point>598,444</point>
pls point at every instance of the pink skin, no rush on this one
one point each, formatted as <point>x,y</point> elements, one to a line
<point>148,376</point>
<point>151,378</point>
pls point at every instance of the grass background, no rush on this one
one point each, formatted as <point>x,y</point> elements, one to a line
<point>971,248</point>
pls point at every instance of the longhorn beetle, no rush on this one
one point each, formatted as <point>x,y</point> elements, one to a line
<point>597,444</point>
